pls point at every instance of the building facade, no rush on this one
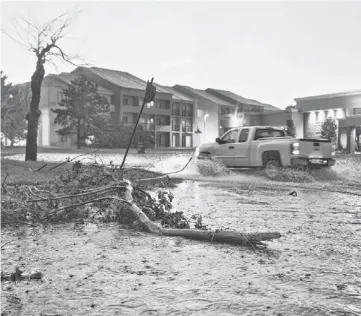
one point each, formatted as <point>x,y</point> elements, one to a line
<point>182,116</point>
<point>344,107</point>
<point>171,118</point>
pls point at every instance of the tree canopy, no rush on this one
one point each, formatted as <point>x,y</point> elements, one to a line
<point>14,106</point>
<point>82,111</point>
<point>329,129</point>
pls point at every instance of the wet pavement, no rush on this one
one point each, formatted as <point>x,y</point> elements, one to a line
<point>314,269</point>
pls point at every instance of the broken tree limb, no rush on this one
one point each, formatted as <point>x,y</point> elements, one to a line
<point>229,237</point>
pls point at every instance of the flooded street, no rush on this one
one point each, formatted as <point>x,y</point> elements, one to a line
<point>314,269</point>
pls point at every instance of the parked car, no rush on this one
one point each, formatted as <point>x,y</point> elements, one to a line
<point>269,148</point>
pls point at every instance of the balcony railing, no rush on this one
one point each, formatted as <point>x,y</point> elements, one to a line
<point>148,126</point>
<point>187,113</point>
<point>175,112</point>
<point>186,128</point>
<point>176,128</point>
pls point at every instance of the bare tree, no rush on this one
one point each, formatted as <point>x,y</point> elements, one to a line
<point>44,42</point>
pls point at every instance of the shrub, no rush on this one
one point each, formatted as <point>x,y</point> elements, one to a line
<point>119,136</point>
<point>329,129</point>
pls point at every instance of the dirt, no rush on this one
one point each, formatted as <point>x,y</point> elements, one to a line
<point>314,269</point>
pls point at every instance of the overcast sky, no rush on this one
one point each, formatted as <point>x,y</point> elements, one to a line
<point>269,51</point>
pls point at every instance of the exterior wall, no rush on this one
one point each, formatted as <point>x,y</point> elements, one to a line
<point>49,98</point>
<point>207,120</point>
<point>327,103</point>
<point>315,119</point>
<point>297,118</point>
<point>278,118</point>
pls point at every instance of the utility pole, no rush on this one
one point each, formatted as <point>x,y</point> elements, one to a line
<point>150,91</point>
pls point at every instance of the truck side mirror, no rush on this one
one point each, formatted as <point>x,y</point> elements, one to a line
<point>217,140</point>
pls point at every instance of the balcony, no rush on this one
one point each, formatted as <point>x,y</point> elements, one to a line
<point>187,113</point>
<point>162,128</point>
<point>187,129</point>
<point>175,128</point>
<point>148,126</point>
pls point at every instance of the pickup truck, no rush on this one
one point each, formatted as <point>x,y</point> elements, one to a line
<point>269,148</point>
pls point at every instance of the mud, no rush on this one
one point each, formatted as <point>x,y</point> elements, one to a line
<point>314,269</point>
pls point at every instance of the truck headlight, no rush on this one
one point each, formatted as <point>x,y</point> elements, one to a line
<point>196,153</point>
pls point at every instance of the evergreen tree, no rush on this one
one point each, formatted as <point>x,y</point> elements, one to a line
<point>82,111</point>
<point>329,129</point>
<point>14,106</point>
<point>291,129</point>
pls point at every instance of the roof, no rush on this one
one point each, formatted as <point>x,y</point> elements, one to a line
<point>122,79</point>
<point>63,77</point>
<point>330,95</point>
<point>175,94</point>
<point>239,99</point>
<point>67,78</point>
<point>202,93</point>
<point>234,97</point>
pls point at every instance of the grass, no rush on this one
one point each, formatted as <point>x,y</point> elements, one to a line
<point>25,172</point>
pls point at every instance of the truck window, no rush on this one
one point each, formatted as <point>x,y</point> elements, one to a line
<point>265,133</point>
<point>243,137</point>
<point>230,137</point>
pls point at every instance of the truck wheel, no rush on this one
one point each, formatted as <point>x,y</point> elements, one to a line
<point>272,168</point>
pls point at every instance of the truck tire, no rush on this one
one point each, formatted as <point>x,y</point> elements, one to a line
<point>272,168</point>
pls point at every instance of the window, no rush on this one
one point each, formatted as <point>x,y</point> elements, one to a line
<point>225,110</point>
<point>135,117</point>
<point>60,96</point>
<point>357,111</point>
<point>176,125</point>
<point>127,100</point>
<point>63,138</point>
<point>187,110</point>
<point>243,137</point>
<point>125,119</point>
<point>231,136</point>
<point>140,101</point>
<point>266,133</point>
<point>163,120</point>
<point>175,108</point>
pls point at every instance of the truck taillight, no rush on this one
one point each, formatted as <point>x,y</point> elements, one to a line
<point>295,149</point>
<point>333,153</point>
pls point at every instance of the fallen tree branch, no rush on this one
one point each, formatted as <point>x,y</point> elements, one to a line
<point>15,277</point>
<point>2,185</point>
<point>76,195</point>
<point>42,167</point>
<point>3,245</point>
<point>229,237</point>
<point>67,161</point>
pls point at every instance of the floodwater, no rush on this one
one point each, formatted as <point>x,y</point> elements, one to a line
<point>314,269</point>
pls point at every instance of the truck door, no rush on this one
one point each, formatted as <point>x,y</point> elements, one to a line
<point>226,143</point>
<point>240,150</point>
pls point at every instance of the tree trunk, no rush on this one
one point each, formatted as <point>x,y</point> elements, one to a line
<point>34,114</point>
<point>78,135</point>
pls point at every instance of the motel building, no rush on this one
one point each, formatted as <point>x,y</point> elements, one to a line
<point>344,107</point>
